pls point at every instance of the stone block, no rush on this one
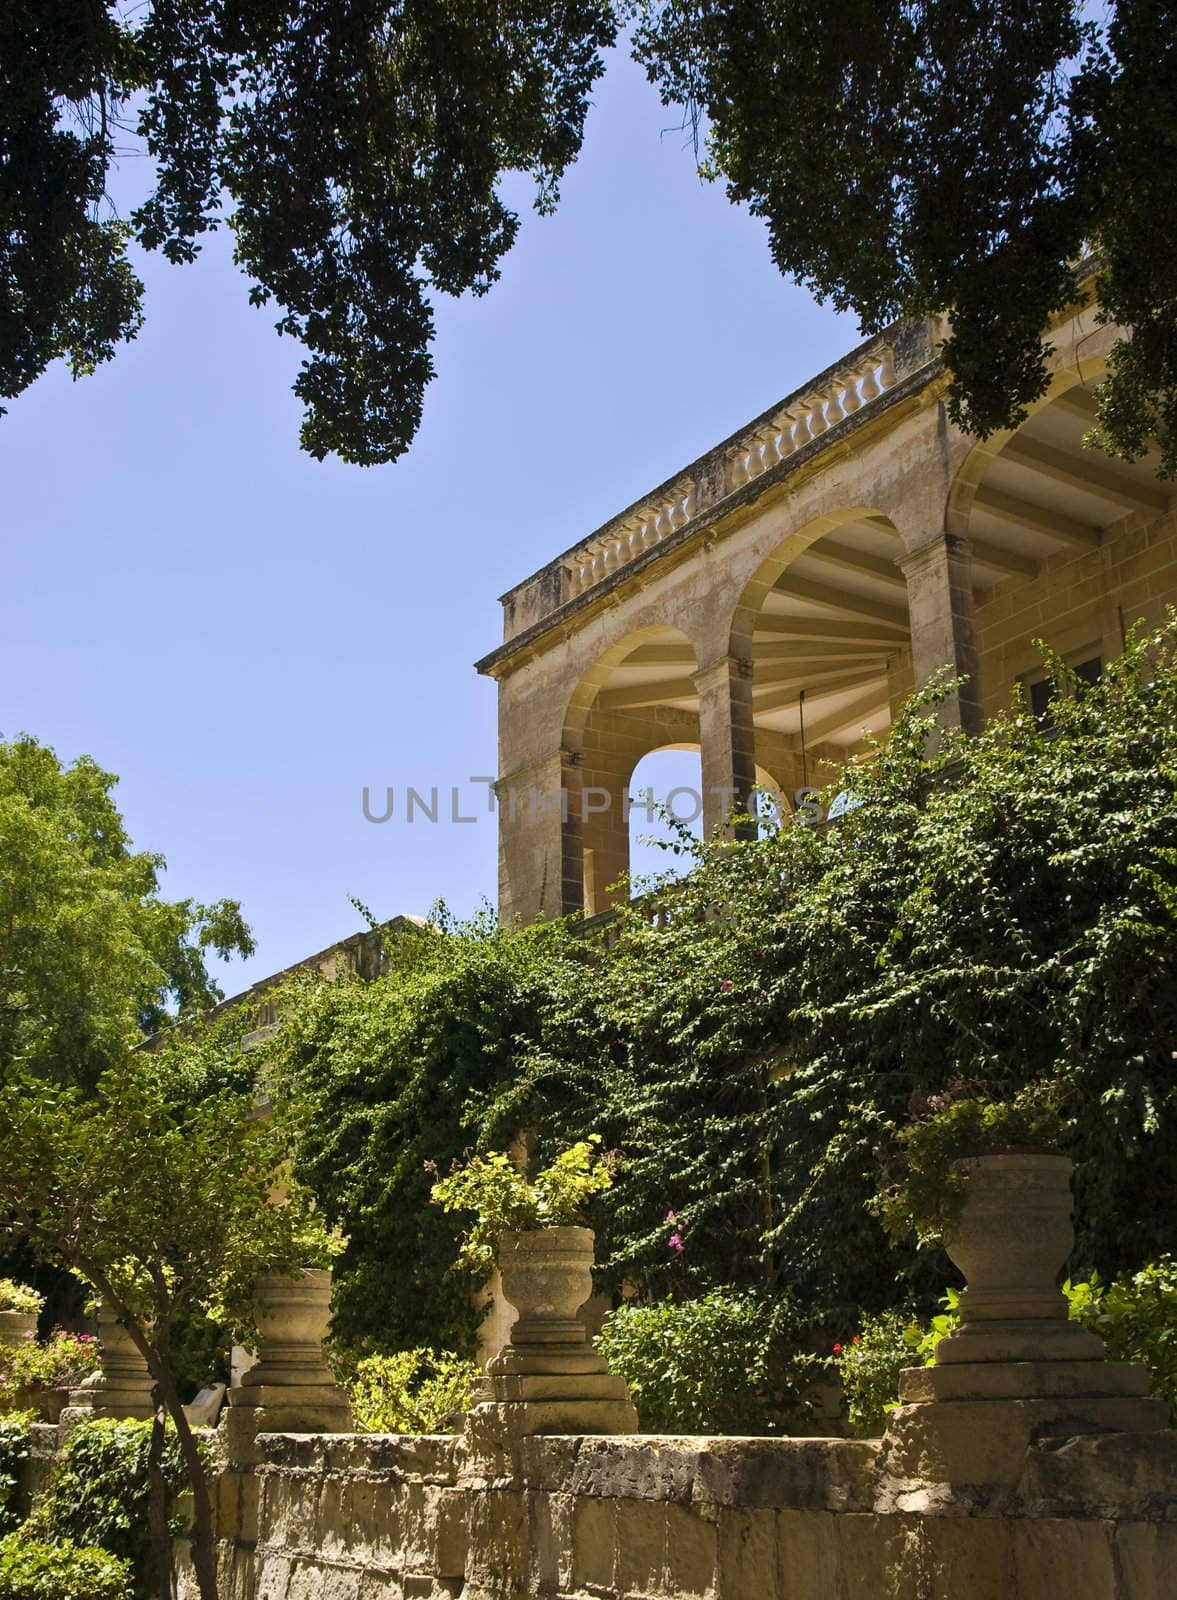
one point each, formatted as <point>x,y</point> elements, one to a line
<point>748,1565</point>
<point>691,1550</point>
<point>641,1558</point>
<point>1070,1558</point>
<point>594,1543</point>
<point>807,1544</point>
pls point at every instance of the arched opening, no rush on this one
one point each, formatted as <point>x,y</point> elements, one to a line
<point>669,780</point>
<point>639,697</point>
<point>824,624</point>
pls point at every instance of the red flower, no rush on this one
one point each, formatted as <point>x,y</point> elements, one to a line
<point>856,1339</point>
<point>837,1349</point>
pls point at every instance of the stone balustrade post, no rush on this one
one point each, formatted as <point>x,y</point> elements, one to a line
<point>291,1389</point>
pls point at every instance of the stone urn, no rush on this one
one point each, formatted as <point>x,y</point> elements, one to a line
<point>1011,1242</point>
<point>17,1326</point>
<point>294,1318</point>
<point>547,1276</point>
<point>548,1378</point>
<point>290,1389</point>
<point>1016,1367</point>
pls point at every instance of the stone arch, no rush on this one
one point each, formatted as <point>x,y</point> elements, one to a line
<point>823,625</point>
<point>639,695</point>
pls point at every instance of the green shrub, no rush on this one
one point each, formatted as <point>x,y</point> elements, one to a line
<point>1136,1317</point>
<point>32,1570</point>
<point>725,1363</point>
<point>869,1366</point>
<point>61,1362</point>
<point>19,1297</point>
<point>413,1391</point>
<point>502,1196</point>
<point>14,1450</point>
<point>99,1492</point>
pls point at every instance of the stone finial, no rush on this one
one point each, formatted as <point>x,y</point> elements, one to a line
<point>291,1389</point>
<point>548,1379</point>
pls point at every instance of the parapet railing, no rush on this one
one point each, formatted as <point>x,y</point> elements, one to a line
<point>804,416</point>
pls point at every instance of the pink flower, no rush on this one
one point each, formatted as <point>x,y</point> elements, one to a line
<point>675,1242</point>
<point>725,986</point>
<point>671,1216</point>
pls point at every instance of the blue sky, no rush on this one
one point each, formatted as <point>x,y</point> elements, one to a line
<point>249,637</point>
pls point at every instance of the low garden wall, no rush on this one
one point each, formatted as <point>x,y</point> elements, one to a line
<point>356,1517</point>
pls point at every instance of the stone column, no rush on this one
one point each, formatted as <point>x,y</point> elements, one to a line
<point>541,866</point>
<point>120,1386</point>
<point>291,1389</point>
<point>943,626</point>
<point>727,741</point>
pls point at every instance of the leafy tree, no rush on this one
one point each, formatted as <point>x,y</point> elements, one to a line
<point>359,147</point>
<point>160,1199</point>
<point>91,957</point>
<point>909,156</point>
<point>918,156</point>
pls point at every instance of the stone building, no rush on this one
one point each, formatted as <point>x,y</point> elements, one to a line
<point>775,600</point>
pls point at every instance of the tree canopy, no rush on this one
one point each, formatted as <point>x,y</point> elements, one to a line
<point>356,146</point>
<point>909,156</point>
<point>959,156</point>
<point>92,958</point>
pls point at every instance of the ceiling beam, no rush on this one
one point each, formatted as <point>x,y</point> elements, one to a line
<point>817,650</point>
<point>828,630</point>
<point>1033,518</point>
<point>783,695</point>
<point>633,696</point>
<point>846,559</point>
<point>1078,402</point>
<point>1075,472</point>
<point>853,605</point>
<point>855,715</point>
<point>1010,561</point>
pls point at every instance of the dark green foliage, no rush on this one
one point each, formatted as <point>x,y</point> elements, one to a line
<point>917,156</point>
<point>99,1492</point>
<point>725,1363</point>
<point>1136,1317</point>
<point>33,1570</point>
<point>359,148</point>
<point>14,1452</point>
<point>1001,915</point>
<point>393,1074</point>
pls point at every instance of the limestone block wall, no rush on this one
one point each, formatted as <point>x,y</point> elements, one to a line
<point>1081,600</point>
<point>354,1517</point>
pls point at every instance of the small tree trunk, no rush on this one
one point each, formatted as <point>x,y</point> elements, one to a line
<point>202,1538</point>
<point>157,1503</point>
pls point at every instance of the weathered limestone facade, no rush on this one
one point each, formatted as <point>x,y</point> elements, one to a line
<point>780,596</point>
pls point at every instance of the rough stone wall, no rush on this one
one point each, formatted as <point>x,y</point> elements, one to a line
<point>354,1517</point>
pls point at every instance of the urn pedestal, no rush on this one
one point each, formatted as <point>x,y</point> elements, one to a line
<point>290,1389</point>
<point>1015,1370</point>
<point>120,1385</point>
<point>548,1379</point>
